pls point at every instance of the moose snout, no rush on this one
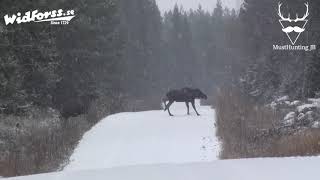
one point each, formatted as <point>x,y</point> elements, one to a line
<point>203,96</point>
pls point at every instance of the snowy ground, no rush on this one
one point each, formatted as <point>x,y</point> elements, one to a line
<point>153,146</point>
<point>251,169</point>
<point>151,137</point>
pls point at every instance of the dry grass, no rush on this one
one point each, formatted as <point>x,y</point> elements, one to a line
<point>302,143</point>
<point>45,142</point>
<point>239,120</point>
<point>35,151</point>
<point>247,129</point>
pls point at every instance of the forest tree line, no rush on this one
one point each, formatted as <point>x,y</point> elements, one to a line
<point>127,49</point>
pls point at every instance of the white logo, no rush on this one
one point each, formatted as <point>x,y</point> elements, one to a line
<point>293,27</point>
<point>55,17</point>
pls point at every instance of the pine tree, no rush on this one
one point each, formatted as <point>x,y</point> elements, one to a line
<point>28,58</point>
<point>141,23</point>
<point>90,50</point>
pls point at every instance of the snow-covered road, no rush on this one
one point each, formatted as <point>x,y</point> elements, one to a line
<point>153,146</point>
<point>250,169</point>
<point>151,137</point>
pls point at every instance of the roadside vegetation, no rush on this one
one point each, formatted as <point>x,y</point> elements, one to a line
<point>41,141</point>
<point>248,129</point>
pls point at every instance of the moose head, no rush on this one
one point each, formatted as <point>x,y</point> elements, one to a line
<point>197,93</point>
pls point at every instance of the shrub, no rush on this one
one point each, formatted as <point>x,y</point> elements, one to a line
<point>39,144</point>
<point>302,143</point>
<point>41,141</point>
<point>239,121</point>
<point>247,129</point>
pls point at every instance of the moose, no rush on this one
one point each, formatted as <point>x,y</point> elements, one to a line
<point>187,95</point>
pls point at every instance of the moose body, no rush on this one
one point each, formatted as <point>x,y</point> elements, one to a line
<point>187,95</point>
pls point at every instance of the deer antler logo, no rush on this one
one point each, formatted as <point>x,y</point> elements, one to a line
<point>294,26</point>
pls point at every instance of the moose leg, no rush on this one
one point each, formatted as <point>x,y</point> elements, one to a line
<point>168,107</point>
<point>165,105</point>
<point>164,100</point>
<point>187,104</point>
<point>194,107</point>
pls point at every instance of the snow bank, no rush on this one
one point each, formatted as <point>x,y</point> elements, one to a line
<point>315,103</point>
<point>250,169</point>
<point>289,118</point>
<point>306,107</point>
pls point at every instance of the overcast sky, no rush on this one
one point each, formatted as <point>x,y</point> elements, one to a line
<point>187,4</point>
